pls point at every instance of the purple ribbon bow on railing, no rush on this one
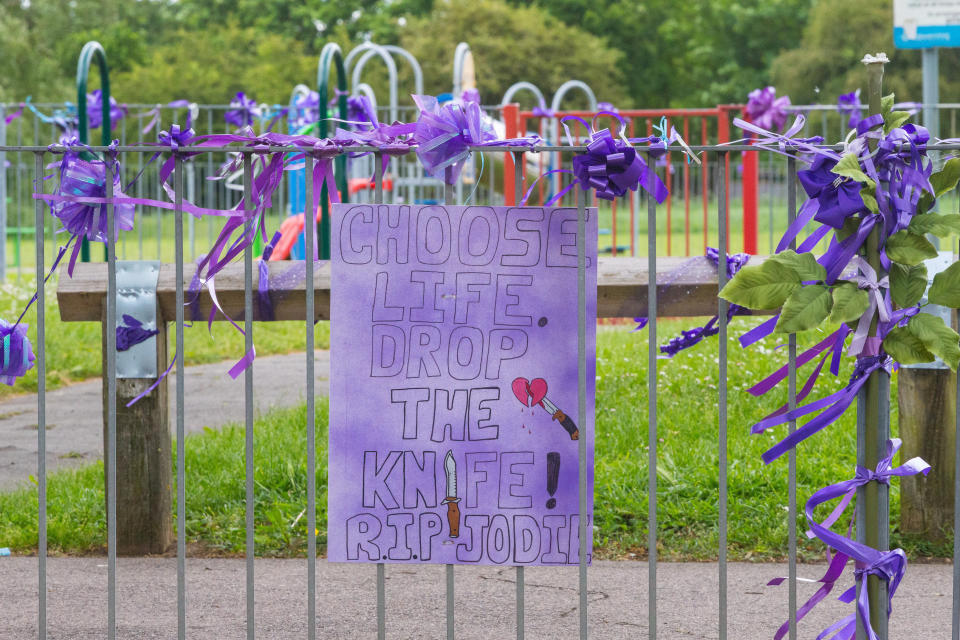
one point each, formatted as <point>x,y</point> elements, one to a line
<point>131,333</point>
<point>888,565</point>
<point>766,110</point>
<point>243,111</point>
<point>17,356</point>
<point>831,407</point>
<point>445,133</point>
<point>95,110</point>
<point>862,344</point>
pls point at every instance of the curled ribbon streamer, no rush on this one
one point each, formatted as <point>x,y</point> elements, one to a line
<point>888,565</point>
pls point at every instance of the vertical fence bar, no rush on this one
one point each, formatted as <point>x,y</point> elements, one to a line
<point>449,197</point>
<point>248,392</point>
<point>181,443</point>
<point>110,326</point>
<point>792,425</point>
<point>41,364</point>
<point>381,568</point>
<point>309,234</point>
<point>956,515</point>
<point>722,241</point>
<point>586,536</point>
<point>521,577</point>
<point>652,414</point>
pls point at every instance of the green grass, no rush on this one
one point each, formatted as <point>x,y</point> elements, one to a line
<point>687,451</point>
<point>73,348</point>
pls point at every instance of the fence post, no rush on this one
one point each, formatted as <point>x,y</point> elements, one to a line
<point>144,472</point>
<point>750,183</point>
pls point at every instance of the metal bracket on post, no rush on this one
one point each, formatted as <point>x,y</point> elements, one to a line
<point>137,297</point>
<point>934,266</point>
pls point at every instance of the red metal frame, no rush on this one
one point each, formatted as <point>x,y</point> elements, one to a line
<point>518,122</point>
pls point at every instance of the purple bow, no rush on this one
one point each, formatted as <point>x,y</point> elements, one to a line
<point>445,134</point>
<point>611,167</point>
<point>888,565</point>
<point>17,356</point>
<point>243,111</point>
<point>848,104</point>
<point>306,110</point>
<point>607,106</point>
<point>79,201</point>
<point>131,333</point>
<point>837,197</point>
<point>766,110</point>
<point>95,110</point>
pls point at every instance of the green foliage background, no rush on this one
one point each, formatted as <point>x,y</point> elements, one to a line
<point>637,53</point>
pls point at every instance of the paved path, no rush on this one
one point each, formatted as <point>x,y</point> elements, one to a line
<point>485,600</point>
<point>74,412</point>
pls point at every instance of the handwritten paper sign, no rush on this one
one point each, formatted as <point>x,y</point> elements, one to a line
<point>454,425</point>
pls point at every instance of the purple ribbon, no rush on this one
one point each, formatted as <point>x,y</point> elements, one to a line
<point>691,337</point>
<point>831,407</point>
<point>154,115</point>
<point>888,565</point>
<point>95,110</point>
<point>766,110</point>
<point>263,283</point>
<point>17,356</point>
<point>542,111</point>
<point>131,333</point>
<point>848,104</point>
<point>243,111</point>
<point>607,106</point>
<point>445,133</point>
<point>13,116</point>
<point>861,345</point>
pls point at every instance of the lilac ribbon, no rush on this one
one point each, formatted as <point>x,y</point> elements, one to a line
<point>131,333</point>
<point>80,200</point>
<point>831,407</point>
<point>17,356</point>
<point>691,337</point>
<point>868,280</point>
<point>888,565</point>
<point>445,134</point>
<point>263,283</point>
<point>154,115</point>
<point>95,110</point>
<point>243,111</point>
<point>766,110</point>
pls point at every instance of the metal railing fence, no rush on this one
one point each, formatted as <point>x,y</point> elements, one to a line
<point>717,156</point>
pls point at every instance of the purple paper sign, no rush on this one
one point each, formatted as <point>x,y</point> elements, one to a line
<point>454,401</point>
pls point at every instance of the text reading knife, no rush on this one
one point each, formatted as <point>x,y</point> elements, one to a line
<point>453,509</point>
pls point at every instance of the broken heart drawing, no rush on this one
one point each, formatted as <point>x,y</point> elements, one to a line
<point>531,393</point>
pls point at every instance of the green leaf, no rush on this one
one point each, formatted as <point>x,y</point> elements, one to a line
<point>938,338</point>
<point>850,227</point>
<point>907,284</point>
<point>849,302</point>
<point>935,223</point>
<point>894,119</point>
<point>765,286</point>
<point>908,248</point>
<point>849,167</point>
<point>869,199</point>
<point>947,178</point>
<point>945,289</point>
<point>803,264</point>
<point>905,347</point>
<point>886,104</point>
<point>805,309</point>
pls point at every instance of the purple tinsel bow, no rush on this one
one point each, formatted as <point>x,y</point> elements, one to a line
<point>607,106</point>
<point>95,110</point>
<point>766,110</point>
<point>888,565</point>
<point>17,355</point>
<point>611,167</point>
<point>848,104</point>
<point>131,333</point>
<point>78,202</point>
<point>691,337</point>
<point>243,111</point>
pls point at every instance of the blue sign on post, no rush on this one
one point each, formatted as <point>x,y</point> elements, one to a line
<point>924,24</point>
